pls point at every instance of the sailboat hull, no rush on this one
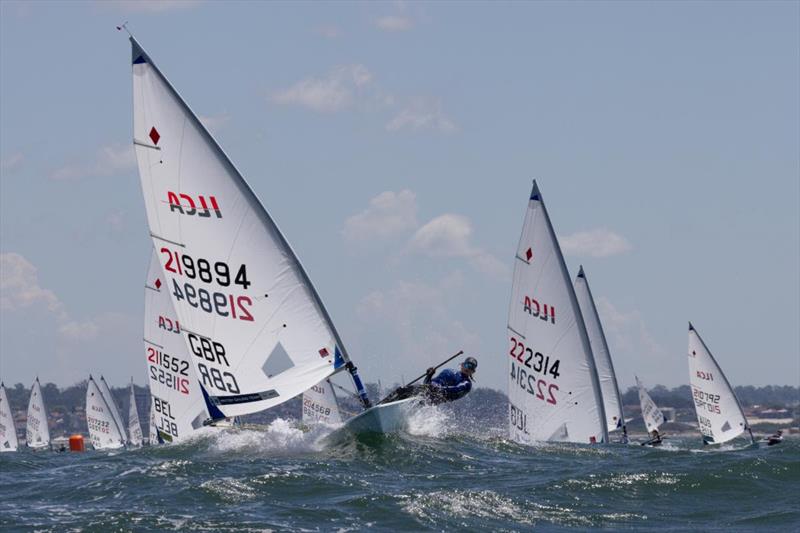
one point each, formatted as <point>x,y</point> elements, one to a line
<point>389,417</point>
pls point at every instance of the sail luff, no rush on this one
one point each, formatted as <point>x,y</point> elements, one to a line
<point>245,188</point>
<point>598,396</point>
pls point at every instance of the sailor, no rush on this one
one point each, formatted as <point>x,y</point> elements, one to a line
<point>655,439</point>
<point>450,384</point>
<point>776,438</point>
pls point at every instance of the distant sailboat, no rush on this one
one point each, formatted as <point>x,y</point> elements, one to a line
<point>612,400</point>
<point>134,427</point>
<point>719,414</point>
<point>258,330</point>
<point>320,404</point>
<point>105,432</point>
<point>554,390</point>
<point>37,433</point>
<point>8,431</point>
<point>112,406</point>
<point>651,414</point>
<point>152,433</point>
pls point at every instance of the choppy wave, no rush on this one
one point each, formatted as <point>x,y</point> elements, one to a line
<point>444,474</point>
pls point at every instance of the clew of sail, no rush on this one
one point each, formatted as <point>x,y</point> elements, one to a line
<point>719,414</point>
<point>320,404</point>
<point>134,427</point>
<point>104,430</point>
<point>112,407</point>
<point>258,330</point>
<point>651,414</point>
<point>553,390</point>
<point>8,431</point>
<point>177,405</point>
<point>37,433</point>
<point>612,401</point>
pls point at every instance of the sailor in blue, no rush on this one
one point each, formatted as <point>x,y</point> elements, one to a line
<point>450,385</point>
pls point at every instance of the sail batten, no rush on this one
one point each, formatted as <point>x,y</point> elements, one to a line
<point>231,274</point>
<point>554,390</point>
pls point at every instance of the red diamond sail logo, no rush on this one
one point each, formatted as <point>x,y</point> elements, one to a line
<point>529,254</point>
<point>323,352</point>
<point>158,283</point>
<point>154,135</point>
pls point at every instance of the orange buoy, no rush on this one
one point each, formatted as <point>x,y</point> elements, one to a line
<point>76,443</point>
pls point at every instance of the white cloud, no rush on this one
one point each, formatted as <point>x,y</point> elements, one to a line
<point>149,6</point>
<point>628,333</point>
<point>600,242</point>
<point>450,235</point>
<point>11,162</point>
<point>214,123</point>
<point>335,92</point>
<point>79,331</point>
<point>422,114</point>
<point>110,160</point>
<point>20,289</point>
<point>394,23</point>
<point>389,214</point>
<point>329,31</point>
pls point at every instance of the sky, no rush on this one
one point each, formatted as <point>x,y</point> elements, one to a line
<point>395,144</point>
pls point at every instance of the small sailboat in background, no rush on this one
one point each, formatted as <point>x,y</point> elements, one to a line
<point>320,404</point>
<point>8,431</point>
<point>112,406</point>
<point>612,400</point>
<point>152,433</point>
<point>37,433</point>
<point>134,427</point>
<point>553,390</point>
<point>651,414</point>
<point>105,432</point>
<point>719,413</point>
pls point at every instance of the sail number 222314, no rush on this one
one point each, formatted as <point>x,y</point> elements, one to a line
<point>525,362</point>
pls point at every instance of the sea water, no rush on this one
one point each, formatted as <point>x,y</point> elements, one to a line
<point>443,474</point>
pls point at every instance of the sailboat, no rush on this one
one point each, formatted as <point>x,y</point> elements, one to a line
<point>320,405</point>
<point>153,437</point>
<point>37,433</point>
<point>112,407</point>
<point>8,431</point>
<point>719,413</point>
<point>248,312</point>
<point>177,406</point>
<point>553,390</point>
<point>612,400</point>
<point>134,427</point>
<point>651,414</point>
<point>105,432</point>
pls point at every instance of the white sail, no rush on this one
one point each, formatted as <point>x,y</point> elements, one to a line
<point>651,414</point>
<point>152,432</point>
<point>719,414</point>
<point>8,431</point>
<point>112,406</point>
<point>177,403</point>
<point>134,427</point>
<point>104,431</point>
<point>554,392</point>
<point>612,401</point>
<point>320,405</point>
<point>37,434</point>
<point>250,315</point>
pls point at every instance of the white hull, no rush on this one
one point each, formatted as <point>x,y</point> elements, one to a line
<point>390,417</point>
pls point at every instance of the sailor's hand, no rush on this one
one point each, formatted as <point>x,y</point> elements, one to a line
<point>430,372</point>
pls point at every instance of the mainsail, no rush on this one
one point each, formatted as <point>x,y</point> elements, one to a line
<point>320,404</point>
<point>112,407</point>
<point>134,427</point>
<point>8,432</point>
<point>612,401</point>
<point>554,391</point>
<point>651,414</point>
<point>177,406</point>
<point>37,434</point>
<point>719,414</point>
<point>258,330</point>
<point>104,430</point>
